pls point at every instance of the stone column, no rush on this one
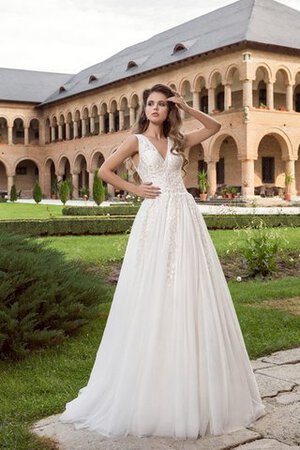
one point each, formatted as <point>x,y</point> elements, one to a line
<point>26,135</point>
<point>290,170</point>
<point>10,135</point>
<point>101,124</point>
<point>10,182</point>
<point>196,100</point>
<point>132,115</point>
<point>247,176</point>
<point>68,134</point>
<point>91,183</point>
<point>52,133</point>
<point>83,127</point>
<point>227,97</point>
<point>289,98</point>
<point>92,125</point>
<point>110,190</point>
<point>60,132</point>
<point>111,122</point>
<point>75,182</point>
<point>75,129</point>
<point>247,93</point>
<point>121,120</point>
<point>211,99</point>
<point>212,177</point>
<point>270,95</point>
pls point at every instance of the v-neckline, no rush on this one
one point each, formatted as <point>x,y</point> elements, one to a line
<point>163,158</point>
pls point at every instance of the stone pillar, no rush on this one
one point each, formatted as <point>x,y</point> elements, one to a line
<point>83,178</point>
<point>92,125</point>
<point>60,132</point>
<point>75,129</point>
<point>212,177</point>
<point>83,127</point>
<point>110,190</point>
<point>290,170</point>
<point>101,124</point>
<point>247,93</point>
<point>68,134</point>
<point>10,135</point>
<point>75,182</point>
<point>10,182</point>
<point>247,176</point>
<point>270,95</point>
<point>211,100</point>
<point>227,97</point>
<point>26,135</point>
<point>91,183</point>
<point>196,100</point>
<point>111,122</point>
<point>289,98</point>
<point>131,115</point>
<point>52,133</point>
<point>121,120</point>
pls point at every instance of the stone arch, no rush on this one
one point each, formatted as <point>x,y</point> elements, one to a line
<point>50,179</point>
<point>34,131</point>
<point>263,76</point>
<point>126,112</point>
<point>296,97</point>
<point>282,80</point>
<point>94,114</point>
<point>196,163</point>
<point>63,167</point>
<point>172,85</point>
<point>216,83</point>
<point>215,78</point>
<point>234,86</point>
<point>18,131</point>
<point>80,175</point>
<point>104,118</point>
<point>96,161</point>
<point>3,178</point>
<point>26,173</point>
<point>3,130</point>
<point>281,137</point>
<point>273,147</point>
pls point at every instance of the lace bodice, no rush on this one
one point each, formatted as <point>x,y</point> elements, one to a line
<point>164,173</point>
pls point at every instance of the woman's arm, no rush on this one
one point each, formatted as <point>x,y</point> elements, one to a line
<point>127,149</point>
<point>210,125</point>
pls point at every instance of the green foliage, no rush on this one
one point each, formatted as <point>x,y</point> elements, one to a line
<point>117,210</point>
<point>64,192</point>
<point>202,180</point>
<point>37,192</point>
<point>13,193</point>
<point>261,248</point>
<point>98,189</point>
<point>43,298</point>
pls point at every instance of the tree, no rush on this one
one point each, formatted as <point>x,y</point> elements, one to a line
<point>13,193</point>
<point>98,189</point>
<point>37,192</point>
<point>64,192</point>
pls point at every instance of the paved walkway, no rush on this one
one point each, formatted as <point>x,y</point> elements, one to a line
<point>274,206</point>
<point>278,377</point>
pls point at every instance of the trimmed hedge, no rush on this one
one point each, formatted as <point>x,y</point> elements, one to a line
<point>121,224</point>
<point>113,210</point>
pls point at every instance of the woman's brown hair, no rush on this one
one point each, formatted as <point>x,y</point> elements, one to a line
<point>172,124</point>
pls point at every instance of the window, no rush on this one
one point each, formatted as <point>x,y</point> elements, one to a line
<point>220,171</point>
<point>19,134</point>
<point>22,170</point>
<point>297,106</point>
<point>220,101</point>
<point>204,104</point>
<point>262,96</point>
<point>202,165</point>
<point>268,169</point>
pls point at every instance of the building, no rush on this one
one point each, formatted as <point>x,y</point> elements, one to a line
<point>241,62</point>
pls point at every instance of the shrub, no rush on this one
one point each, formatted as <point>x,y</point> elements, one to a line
<point>261,248</point>
<point>43,298</point>
<point>13,193</point>
<point>37,192</point>
<point>64,192</point>
<point>98,189</point>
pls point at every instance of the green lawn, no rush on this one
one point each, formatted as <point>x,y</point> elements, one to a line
<point>29,211</point>
<point>41,385</point>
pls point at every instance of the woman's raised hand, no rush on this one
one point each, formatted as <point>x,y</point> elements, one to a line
<point>147,191</point>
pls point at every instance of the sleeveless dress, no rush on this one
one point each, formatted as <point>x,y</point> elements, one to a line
<point>172,360</point>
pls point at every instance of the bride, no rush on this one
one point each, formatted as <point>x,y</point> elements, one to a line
<point>172,360</point>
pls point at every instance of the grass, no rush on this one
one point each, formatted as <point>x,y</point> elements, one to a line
<point>29,211</point>
<point>41,385</point>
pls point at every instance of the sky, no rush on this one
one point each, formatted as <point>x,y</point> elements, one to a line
<point>67,36</point>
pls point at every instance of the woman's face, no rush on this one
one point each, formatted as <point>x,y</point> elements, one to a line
<point>157,108</point>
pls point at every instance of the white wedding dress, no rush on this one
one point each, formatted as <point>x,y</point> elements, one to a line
<point>172,360</point>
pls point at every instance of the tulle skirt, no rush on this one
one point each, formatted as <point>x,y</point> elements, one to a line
<point>172,360</point>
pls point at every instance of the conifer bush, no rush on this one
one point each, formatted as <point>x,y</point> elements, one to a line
<point>64,192</point>
<point>37,192</point>
<point>43,297</point>
<point>98,189</point>
<point>13,193</point>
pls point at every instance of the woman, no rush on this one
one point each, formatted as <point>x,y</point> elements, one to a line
<point>172,360</point>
